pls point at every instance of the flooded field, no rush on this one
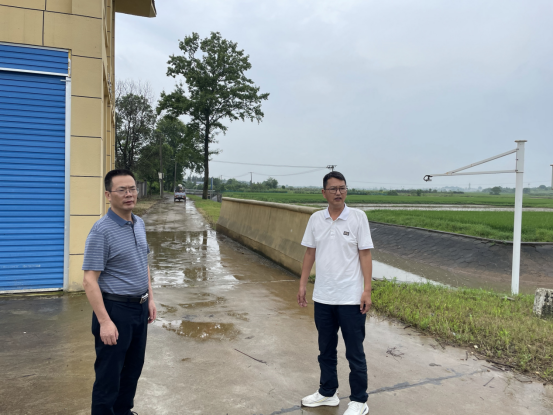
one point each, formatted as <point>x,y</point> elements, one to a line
<point>469,208</point>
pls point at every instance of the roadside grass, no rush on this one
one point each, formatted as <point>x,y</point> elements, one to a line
<point>491,325</point>
<point>208,208</point>
<point>536,226</point>
<point>426,198</point>
<point>144,204</point>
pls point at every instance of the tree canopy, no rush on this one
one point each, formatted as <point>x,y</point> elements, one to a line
<point>215,88</point>
<point>134,119</point>
<point>139,136</point>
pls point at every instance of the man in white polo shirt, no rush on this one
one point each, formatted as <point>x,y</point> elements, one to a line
<point>339,239</point>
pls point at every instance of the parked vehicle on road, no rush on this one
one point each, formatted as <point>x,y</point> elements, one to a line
<point>180,193</point>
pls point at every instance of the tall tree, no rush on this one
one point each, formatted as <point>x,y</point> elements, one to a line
<point>215,88</point>
<point>135,121</point>
<point>185,147</point>
<point>181,149</point>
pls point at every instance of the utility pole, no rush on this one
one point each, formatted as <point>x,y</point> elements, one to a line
<point>160,166</point>
<point>251,178</point>
<point>331,167</point>
<point>519,174</point>
<point>175,176</point>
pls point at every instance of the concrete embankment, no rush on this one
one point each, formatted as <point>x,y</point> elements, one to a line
<point>488,260</point>
<point>276,230</point>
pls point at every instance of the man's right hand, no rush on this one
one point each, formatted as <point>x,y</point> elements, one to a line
<point>301,297</point>
<point>109,333</point>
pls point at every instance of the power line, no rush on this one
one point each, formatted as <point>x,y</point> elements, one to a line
<point>269,165</point>
<point>419,184</point>
<point>292,174</point>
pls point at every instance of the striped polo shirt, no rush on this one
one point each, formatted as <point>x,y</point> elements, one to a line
<point>118,249</point>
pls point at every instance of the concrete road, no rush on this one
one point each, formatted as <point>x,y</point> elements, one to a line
<point>230,339</point>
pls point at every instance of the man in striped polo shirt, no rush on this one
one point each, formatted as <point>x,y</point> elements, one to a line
<point>117,284</point>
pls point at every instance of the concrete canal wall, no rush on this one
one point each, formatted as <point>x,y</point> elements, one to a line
<point>275,230</point>
<point>489,260</point>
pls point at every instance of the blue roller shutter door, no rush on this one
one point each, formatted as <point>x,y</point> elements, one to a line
<point>32,169</point>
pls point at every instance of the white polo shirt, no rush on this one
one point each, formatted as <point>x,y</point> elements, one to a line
<point>337,242</point>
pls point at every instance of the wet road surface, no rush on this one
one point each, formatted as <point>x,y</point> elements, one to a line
<point>230,339</point>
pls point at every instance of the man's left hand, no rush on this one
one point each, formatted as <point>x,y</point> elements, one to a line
<point>366,302</point>
<point>152,311</point>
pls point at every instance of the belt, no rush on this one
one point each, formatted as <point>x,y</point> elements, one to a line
<point>125,298</point>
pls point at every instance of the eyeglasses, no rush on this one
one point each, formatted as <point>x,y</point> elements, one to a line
<point>123,191</point>
<point>335,190</point>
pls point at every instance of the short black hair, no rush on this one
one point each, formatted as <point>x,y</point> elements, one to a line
<point>331,175</point>
<point>113,173</point>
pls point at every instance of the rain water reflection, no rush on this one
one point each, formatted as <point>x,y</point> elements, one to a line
<point>389,272</point>
<point>201,330</point>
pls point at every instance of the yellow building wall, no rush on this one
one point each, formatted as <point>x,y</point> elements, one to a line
<point>86,29</point>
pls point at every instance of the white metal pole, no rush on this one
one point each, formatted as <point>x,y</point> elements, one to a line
<point>518,216</point>
<point>552,177</point>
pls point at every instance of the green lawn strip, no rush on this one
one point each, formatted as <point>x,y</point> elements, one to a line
<point>506,200</point>
<point>208,208</point>
<point>503,330</point>
<point>145,204</point>
<point>536,226</point>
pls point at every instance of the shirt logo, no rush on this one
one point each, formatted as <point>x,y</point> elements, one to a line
<point>346,233</point>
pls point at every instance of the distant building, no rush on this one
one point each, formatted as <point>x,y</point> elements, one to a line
<point>57,119</point>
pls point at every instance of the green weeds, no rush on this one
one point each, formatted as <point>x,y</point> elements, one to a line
<point>502,328</point>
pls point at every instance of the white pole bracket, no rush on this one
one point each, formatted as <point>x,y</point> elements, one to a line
<point>519,170</point>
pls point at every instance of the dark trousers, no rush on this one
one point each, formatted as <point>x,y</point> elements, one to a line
<point>118,367</point>
<point>328,318</point>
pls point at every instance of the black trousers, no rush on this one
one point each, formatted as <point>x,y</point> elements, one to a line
<point>118,367</point>
<point>328,319</point>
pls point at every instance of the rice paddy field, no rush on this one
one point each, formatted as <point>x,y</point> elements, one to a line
<point>505,200</point>
<point>536,226</point>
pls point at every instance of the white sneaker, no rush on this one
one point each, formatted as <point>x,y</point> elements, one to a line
<point>357,408</point>
<point>319,400</point>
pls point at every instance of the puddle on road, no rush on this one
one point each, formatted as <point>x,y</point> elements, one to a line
<point>185,252</point>
<point>201,330</point>
<point>239,316</point>
<point>203,304</point>
<point>182,258</point>
<point>168,309</point>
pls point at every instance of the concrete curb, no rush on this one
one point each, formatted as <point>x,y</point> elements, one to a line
<point>293,208</point>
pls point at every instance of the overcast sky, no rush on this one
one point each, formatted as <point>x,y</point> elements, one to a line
<point>388,90</point>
